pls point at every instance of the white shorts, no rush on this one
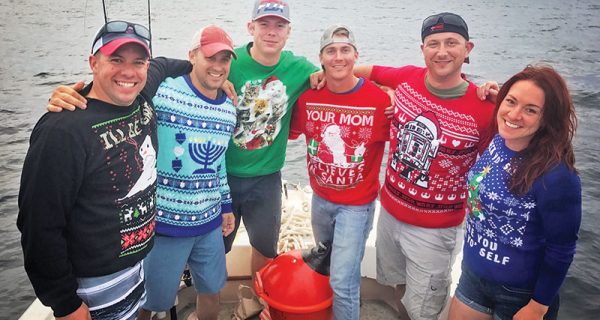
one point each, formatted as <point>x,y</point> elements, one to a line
<point>420,258</point>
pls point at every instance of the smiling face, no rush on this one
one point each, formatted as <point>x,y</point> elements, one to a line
<point>519,116</point>
<point>209,73</point>
<point>120,77</point>
<point>444,55</point>
<point>270,35</point>
<point>338,60</point>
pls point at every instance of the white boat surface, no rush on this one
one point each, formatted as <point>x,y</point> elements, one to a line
<point>295,219</point>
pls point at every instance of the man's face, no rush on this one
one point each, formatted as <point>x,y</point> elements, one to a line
<point>338,59</point>
<point>209,73</point>
<point>270,34</point>
<point>444,55</point>
<point>120,77</point>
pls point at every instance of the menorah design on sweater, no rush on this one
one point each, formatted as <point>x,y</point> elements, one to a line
<point>206,154</point>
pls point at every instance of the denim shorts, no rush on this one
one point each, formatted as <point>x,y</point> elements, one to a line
<point>257,202</point>
<point>205,256</point>
<point>499,300</point>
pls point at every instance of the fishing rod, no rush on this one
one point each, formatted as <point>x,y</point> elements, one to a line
<point>149,22</point>
<point>104,9</point>
<point>149,27</point>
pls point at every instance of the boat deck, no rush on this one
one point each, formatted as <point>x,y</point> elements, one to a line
<point>371,309</point>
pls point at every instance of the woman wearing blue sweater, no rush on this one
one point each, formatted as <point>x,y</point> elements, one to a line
<point>524,204</point>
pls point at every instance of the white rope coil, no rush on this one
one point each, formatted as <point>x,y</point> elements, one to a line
<point>296,230</point>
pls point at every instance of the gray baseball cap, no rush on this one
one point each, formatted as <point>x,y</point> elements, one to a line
<point>344,35</point>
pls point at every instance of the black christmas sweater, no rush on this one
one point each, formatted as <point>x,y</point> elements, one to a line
<point>88,191</point>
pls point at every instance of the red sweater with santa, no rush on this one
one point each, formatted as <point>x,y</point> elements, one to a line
<point>434,142</point>
<point>345,136</point>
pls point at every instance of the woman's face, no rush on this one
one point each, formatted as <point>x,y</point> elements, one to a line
<point>520,114</point>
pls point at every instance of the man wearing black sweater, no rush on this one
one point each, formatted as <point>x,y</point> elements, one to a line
<point>87,197</point>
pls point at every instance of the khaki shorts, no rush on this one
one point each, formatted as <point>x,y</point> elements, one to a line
<point>421,259</point>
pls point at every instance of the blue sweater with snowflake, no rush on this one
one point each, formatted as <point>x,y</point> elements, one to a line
<point>193,135</point>
<point>527,242</point>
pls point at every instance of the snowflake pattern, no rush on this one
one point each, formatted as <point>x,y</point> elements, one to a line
<point>510,212</point>
<point>489,233</point>
<point>454,170</point>
<point>344,131</point>
<point>493,196</point>
<point>511,201</point>
<point>365,133</point>
<point>528,205</point>
<point>482,188</point>
<point>445,163</point>
<point>517,242</point>
<point>310,126</point>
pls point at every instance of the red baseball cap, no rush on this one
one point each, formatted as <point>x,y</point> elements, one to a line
<point>112,46</point>
<point>212,39</point>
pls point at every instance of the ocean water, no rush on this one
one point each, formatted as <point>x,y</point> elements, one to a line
<point>46,43</point>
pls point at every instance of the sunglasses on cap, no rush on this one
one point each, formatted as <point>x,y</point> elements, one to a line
<point>449,18</point>
<point>123,27</point>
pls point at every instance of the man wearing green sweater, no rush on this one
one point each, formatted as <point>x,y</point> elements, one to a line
<point>268,81</point>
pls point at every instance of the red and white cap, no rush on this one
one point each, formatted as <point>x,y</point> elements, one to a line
<point>108,42</point>
<point>212,39</point>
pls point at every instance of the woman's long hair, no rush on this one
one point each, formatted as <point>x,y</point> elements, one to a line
<point>552,143</point>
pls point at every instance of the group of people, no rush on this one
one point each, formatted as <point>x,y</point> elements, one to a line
<point>162,166</point>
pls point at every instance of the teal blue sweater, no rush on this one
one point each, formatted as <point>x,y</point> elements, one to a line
<point>193,135</point>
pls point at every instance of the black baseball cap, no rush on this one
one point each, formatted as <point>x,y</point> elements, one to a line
<point>444,22</point>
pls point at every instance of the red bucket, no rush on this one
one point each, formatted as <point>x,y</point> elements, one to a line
<point>293,290</point>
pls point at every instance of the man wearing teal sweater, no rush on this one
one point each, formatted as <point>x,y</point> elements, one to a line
<point>195,122</point>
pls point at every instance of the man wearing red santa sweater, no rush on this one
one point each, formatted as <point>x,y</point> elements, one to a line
<point>346,130</point>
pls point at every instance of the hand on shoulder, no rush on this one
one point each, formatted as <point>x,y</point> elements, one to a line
<point>489,91</point>
<point>67,97</point>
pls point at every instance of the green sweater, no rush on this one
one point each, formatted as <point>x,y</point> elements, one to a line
<point>266,97</point>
